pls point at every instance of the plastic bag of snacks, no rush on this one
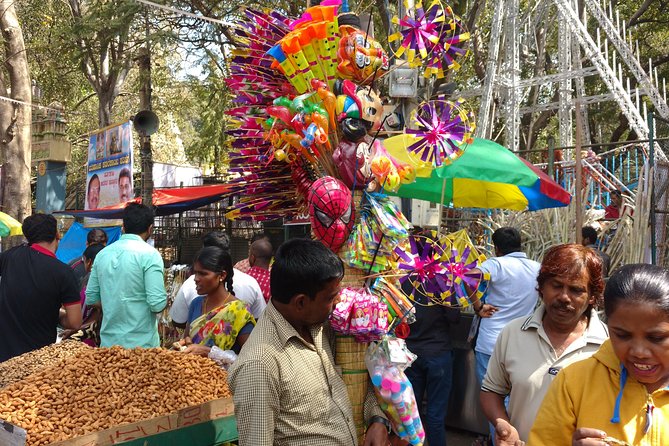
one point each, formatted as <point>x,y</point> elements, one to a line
<point>386,361</point>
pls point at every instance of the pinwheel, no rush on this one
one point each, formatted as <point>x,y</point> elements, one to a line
<point>441,128</point>
<point>458,271</point>
<point>440,269</point>
<point>420,262</point>
<point>449,51</point>
<point>420,34</point>
<point>431,37</point>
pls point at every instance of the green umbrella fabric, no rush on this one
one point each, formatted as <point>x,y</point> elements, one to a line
<point>487,175</point>
<point>9,226</point>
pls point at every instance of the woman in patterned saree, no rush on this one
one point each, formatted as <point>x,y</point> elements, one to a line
<point>218,323</point>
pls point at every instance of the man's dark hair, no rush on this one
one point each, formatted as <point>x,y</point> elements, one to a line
<point>92,251</point>
<point>303,266</point>
<point>137,218</point>
<point>616,192</point>
<point>506,240</point>
<point>590,233</point>
<point>96,236</point>
<point>40,228</point>
<point>94,177</point>
<point>125,172</point>
<point>217,238</point>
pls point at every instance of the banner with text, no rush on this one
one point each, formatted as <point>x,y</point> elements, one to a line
<point>109,178</point>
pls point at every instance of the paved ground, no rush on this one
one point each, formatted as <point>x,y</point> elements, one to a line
<point>460,437</point>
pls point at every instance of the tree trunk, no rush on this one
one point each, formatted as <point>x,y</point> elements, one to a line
<point>15,119</point>
<point>105,104</point>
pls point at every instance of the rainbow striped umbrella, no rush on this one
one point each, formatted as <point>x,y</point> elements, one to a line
<point>9,226</point>
<point>487,175</point>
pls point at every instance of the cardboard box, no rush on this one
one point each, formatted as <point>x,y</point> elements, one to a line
<point>213,419</point>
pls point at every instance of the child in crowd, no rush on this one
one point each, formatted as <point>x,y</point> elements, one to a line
<point>619,396</point>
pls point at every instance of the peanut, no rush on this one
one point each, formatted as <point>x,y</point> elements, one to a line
<point>97,389</point>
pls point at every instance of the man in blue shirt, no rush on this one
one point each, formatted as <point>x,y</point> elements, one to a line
<point>127,279</point>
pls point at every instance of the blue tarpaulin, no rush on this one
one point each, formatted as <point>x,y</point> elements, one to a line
<point>73,243</point>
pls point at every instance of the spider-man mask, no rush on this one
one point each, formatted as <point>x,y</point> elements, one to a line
<point>331,212</point>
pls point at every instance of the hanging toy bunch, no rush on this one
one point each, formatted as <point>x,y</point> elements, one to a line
<point>266,189</point>
<point>361,314</point>
<point>307,118</point>
<point>386,362</point>
<point>371,243</point>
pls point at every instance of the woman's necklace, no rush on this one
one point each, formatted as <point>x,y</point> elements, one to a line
<point>206,302</point>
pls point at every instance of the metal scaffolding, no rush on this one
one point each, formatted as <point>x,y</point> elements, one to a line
<point>596,43</point>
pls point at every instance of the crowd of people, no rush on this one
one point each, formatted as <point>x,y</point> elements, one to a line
<point>550,371</point>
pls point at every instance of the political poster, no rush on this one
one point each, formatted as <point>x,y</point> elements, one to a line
<point>109,177</point>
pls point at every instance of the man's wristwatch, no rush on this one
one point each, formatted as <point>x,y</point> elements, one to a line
<point>379,419</point>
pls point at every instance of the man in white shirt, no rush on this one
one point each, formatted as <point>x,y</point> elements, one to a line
<point>512,292</point>
<point>245,287</point>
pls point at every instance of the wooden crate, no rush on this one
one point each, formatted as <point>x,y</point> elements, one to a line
<point>208,424</point>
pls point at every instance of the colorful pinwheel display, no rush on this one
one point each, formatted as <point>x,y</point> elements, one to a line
<point>441,129</point>
<point>439,267</point>
<point>431,37</point>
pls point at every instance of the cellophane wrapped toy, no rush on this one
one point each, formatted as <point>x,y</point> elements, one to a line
<point>382,226</point>
<point>361,314</point>
<point>386,361</point>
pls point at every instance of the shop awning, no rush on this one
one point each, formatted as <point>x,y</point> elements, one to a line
<point>167,201</point>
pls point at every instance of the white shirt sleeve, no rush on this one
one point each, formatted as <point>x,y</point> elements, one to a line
<point>183,299</point>
<point>490,266</point>
<point>246,289</point>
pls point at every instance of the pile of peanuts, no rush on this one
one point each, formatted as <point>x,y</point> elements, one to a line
<point>17,368</point>
<point>101,388</point>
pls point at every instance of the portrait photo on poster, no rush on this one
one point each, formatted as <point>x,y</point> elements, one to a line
<point>109,179</point>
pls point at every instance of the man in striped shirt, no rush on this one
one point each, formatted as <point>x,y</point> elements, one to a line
<point>286,388</point>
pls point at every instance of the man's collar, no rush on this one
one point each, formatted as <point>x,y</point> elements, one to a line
<point>284,330</point>
<point>132,237</point>
<point>43,250</point>
<point>519,254</point>
<point>596,332</point>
